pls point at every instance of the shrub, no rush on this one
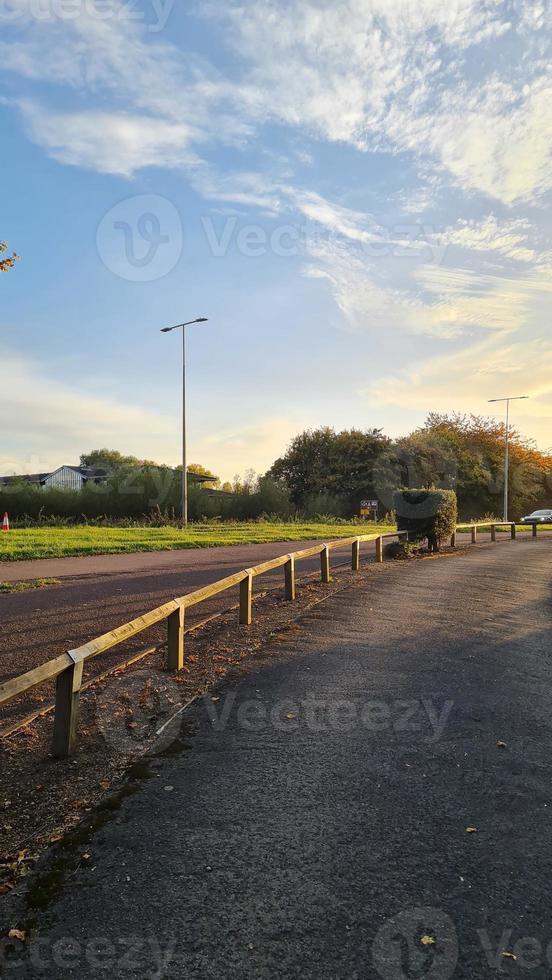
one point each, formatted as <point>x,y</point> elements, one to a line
<point>399,549</point>
<point>431,514</point>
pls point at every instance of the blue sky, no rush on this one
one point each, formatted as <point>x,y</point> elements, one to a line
<point>356,193</point>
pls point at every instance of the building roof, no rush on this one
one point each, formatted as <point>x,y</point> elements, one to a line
<point>87,472</point>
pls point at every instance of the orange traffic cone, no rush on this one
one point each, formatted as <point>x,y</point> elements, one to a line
<point>6,522</point>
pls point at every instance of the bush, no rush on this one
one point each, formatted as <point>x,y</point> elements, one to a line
<point>399,549</point>
<point>431,514</point>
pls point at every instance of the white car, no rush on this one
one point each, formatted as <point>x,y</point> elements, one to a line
<point>538,517</point>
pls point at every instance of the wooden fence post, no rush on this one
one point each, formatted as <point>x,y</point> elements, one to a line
<point>325,564</point>
<point>355,559</point>
<point>379,549</point>
<point>474,534</point>
<point>514,532</point>
<point>535,527</point>
<point>289,578</point>
<point>453,539</point>
<point>493,532</point>
<point>246,592</point>
<point>175,639</point>
<point>66,718</point>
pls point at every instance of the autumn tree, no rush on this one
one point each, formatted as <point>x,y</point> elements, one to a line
<point>9,260</point>
<point>466,453</point>
<point>214,482</point>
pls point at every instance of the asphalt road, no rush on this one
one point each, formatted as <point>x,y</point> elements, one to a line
<point>319,830</point>
<point>98,593</point>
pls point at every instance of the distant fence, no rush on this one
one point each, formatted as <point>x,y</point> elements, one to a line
<point>67,669</point>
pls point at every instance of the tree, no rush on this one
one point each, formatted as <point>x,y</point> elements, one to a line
<point>9,261</point>
<point>331,465</point>
<point>112,459</point>
<point>466,453</point>
<point>213,484</point>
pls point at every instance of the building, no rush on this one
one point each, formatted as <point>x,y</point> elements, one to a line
<point>64,478</point>
<point>75,478</point>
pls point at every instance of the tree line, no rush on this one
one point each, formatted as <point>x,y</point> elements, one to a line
<point>323,473</point>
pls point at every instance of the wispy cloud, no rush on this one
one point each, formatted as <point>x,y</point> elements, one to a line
<point>365,72</point>
<point>488,234</point>
<point>464,381</point>
<point>46,414</point>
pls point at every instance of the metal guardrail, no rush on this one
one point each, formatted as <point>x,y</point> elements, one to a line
<point>67,669</point>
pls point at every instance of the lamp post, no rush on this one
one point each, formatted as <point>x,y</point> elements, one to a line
<point>178,326</point>
<point>516,398</point>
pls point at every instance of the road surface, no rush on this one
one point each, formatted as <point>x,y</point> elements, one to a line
<point>316,825</point>
<point>98,593</point>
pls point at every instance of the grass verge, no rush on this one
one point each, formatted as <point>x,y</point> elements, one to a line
<point>31,543</point>
<point>38,583</point>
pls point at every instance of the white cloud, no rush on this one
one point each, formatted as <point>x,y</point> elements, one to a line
<point>56,421</point>
<point>392,75</point>
<point>507,238</point>
<point>108,142</point>
<point>234,449</point>
<point>496,139</point>
<point>466,380</point>
<point>370,73</point>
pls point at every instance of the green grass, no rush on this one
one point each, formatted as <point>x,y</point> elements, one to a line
<point>63,542</point>
<point>37,583</point>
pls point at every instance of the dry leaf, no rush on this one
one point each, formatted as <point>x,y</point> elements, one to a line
<point>471,830</point>
<point>17,934</point>
<point>501,745</point>
<point>427,941</point>
<point>291,716</point>
<point>509,956</point>
<point>5,888</point>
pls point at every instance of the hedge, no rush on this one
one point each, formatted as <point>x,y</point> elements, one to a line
<point>431,514</point>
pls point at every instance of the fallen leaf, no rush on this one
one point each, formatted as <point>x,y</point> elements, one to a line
<point>5,888</point>
<point>427,941</point>
<point>509,956</point>
<point>291,716</point>
<point>17,934</point>
<point>501,745</point>
<point>471,830</point>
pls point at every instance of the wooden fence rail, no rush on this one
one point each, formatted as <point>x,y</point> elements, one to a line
<point>67,669</point>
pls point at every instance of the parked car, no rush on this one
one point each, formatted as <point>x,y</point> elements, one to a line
<point>538,517</point>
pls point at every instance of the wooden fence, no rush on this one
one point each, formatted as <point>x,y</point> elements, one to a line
<point>67,669</point>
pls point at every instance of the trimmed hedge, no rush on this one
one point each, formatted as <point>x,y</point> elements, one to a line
<point>431,514</point>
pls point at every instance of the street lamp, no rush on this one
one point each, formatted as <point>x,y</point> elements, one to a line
<point>517,398</point>
<point>178,326</point>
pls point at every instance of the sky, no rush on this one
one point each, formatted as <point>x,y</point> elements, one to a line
<point>354,192</point>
